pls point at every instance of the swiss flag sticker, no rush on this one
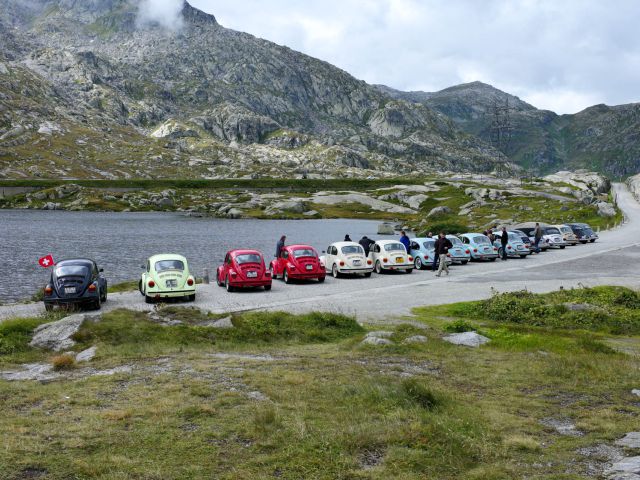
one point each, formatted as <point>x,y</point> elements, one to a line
<point>46,262</point>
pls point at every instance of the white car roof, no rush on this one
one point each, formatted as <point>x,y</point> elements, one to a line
<point>387,242</point>
<point>345,244</point>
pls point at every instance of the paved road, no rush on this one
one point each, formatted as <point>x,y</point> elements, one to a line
<point>613,260</point>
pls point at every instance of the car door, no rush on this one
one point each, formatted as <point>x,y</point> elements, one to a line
<point>329,258</point>
<point>282,261</point>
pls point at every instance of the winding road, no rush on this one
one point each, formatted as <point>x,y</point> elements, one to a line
<point>613,260</point>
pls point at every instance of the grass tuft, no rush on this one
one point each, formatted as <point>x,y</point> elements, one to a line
<point>418,393</point>
<point>63,362</point>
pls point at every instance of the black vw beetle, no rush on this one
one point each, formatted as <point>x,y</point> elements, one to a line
<point>76,283</point>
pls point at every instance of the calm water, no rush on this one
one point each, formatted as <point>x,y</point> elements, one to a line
<point>121,242</point>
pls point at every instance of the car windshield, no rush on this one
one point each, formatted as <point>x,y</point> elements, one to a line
<point>304,252</point>
<point>482,240</point>
<point>553,231</point>
<point>566,230</point>
<point>514,238</point>
<point>455,240</point>
<point>72,270</point>
<point>429,244</point>
<point>248,258</point>
<point>588,231</point>
<point>164,265</point>
<point>394,247</point>
<point>352,250</point>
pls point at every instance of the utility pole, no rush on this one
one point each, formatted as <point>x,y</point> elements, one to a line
<point>501,129</point>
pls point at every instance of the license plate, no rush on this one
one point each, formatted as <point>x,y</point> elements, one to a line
<point>171,283</point>
<point>252,274</point>
<point>69,289</point>
<point>357,262</point>
<point>309,267</point>
<point>399,260</point>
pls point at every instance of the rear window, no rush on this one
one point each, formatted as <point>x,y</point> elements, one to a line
<point>394,247</point>
<point>164,265</point>
<point>352,250</point>
<point>553,231</point>
<point>482,240</point>
<point>455,240</point>
<point>248,258</point>
<point>566,230</point>
<point>72,270</point>
<point>429,245</point>
<point>514,238</point>
<point>304,252</point>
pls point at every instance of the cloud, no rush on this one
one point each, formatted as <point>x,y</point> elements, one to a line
<point>165,13</point>
<point>564,54</point>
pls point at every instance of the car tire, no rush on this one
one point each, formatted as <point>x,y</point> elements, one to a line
<point>410,270</point>
<point>104,297</point>
<point>592,241</point>
<point>140,287</point>
<point>334,271</point>
<point>191,298</point>
<point>48,307</point>
<point>321,280</point>
<point>418,263</point>
<point>267,288</point>
<point>220,284</point>
<point>493,259</point>
<point>563,247</point>
<point>148,299</point>
<point>97,305</point>
<point>367,275</point>
<point>378,267</point>
<point>273,273</point>
<point>464,262</point>
<point>227,285</point>
<point>285,277</point>
<point>523,256</point>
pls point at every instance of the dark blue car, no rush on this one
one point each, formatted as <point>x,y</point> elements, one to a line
<point>76,282</point>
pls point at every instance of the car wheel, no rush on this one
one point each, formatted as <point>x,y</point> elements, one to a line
<point>592,241</point>
<point>367,275</point>
<point>148,299</point>
<point>523,256</point>
<point>285,277</point>
<point>267,287</point>
<point>273,273</point>
<point>97,305</point>
<point>378,267</point>
<point>321,280</point>
<point>191,298</point>
<point>334,271</point>
<point>48,307</point>
<point>563,247</point>
<point>227,285</point>
<point>464,262</point>
<point>410,270</point>
<point>493,259</point>
<point>104,297</point>
<point>418,263</point>
<point>140,287</point>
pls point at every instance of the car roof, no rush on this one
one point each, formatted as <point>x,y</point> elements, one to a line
<point>345,244</point>
<point>387,242</point>
<point>167,256</point>
<point>245,252</point>
<point>75,261</point>
<point>299,247</point>
<point>422,239</point>
<point>473,235</point>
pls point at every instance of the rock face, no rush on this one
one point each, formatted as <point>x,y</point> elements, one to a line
<point>56,336</point>
<point>606,209</point>
<point>634,185</point>
<point>86,355</point>
<point>415,339</point>
<point>439,211</point>
<point>467,339</point>
<point>631,440</point>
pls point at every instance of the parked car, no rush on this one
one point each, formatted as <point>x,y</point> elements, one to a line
<point>346,258</point>
<point>480,246</point>
<point>243,269</point>
<point>567,234</point>
<point>298,262</point>
<point>76,282</point>
<point>584,232</point>
<point>167,276</point>
<point>390,255</point>
<point>555,238</point>
<point>423,252</point>
<point>460,253</point>
<point>525,239</point>
<point>515,246</point>
<point>530,231</point>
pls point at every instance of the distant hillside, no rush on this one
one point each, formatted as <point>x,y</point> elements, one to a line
<point>601,138</point>
<point>88,89</point>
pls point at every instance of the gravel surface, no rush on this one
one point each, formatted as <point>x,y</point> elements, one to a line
<point>613,260</point>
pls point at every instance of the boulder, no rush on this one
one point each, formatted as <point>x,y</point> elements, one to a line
<point>634,185</point>
<point>606,209</point>
<point>51,206</point>
<point>86,355</point>
<point>587,181</point>
<point>31,371</point>
<point>220,323</point>
<point>415,339</point>
<point>386,229</point>
<point>467,339</point>
<point>439,211</point>
<point>626,465</point>
<point>234,213</point>
<point>635,392</point>
<point>295,206</point>
<point>56,336</point>
<point>631,440</point>
<point>3,69</point>
<point>325,198</point>
<point>376,341</point>
<point>380,334</point>
<point>165,202</point>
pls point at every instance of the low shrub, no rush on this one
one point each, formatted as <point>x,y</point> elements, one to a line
<point>458,326</point>
<point>63,362</point>
<point>15,335</point>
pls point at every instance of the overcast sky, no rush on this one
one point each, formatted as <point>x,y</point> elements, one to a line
<point>562,55</point>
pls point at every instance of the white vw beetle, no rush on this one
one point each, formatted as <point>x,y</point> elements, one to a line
<point>390,255</point>
<point>346,258</point>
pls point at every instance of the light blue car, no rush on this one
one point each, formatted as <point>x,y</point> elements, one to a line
<point>459,253</point>
<point>423,252</point>
<point>479,246</point>
<point>515,247</point>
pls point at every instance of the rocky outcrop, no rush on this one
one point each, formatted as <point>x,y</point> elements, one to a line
<point>467,339</point>
<point>634,185</point>
<point>56,336</point>
<point>593,182</point>
<point>375,204</point>
<point>235,123</point>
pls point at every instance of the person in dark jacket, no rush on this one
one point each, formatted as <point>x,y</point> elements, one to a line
<point>443,244</point>
<point>365,242</point>
<point>405,240</point>
<point>280,245</point>
<point>504,241</point>
<point>537,236</point>
<point>347,238</point>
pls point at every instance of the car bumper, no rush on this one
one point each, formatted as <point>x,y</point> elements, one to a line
<point>251,283</point>
<point>459,259</point>
<point>485,256</point>
<point>355,271</point>
<point>405,266</point>
<point>306,276</point>
<point>171,294</point>
<point>70,301</point>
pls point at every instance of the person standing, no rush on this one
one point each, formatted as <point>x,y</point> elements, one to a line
<point>347,238</point>
<point>365,242</point>
<point>405,241</point>
<point>443,244</point>
<point>504,241</point>
<point>280,245</point>
<point>537,236</point>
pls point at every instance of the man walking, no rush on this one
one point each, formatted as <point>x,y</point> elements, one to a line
<point>443,244</point>
<point>504,241</point>
<point>280,245</point>
<point>537,235</point>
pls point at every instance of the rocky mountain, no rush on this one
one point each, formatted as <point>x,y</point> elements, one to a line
<point>601,138</point>
<point>94,88</point>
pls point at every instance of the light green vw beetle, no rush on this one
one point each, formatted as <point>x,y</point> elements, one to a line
<point>167,276</point>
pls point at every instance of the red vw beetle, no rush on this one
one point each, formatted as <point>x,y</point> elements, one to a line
<point>243,269</point>
<point>298,262</point>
